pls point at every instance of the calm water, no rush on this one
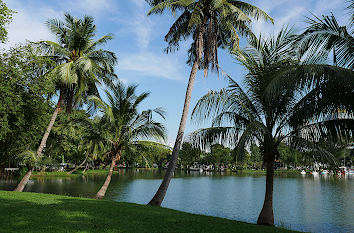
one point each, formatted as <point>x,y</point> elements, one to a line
<point>305,203</point>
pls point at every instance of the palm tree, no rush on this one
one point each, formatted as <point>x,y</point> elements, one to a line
<point>326,35</point>
<point>81,65</point>
<point>94,142</point>
<point>211,24</point>
<point>124,124</point>
<point>284,100</point>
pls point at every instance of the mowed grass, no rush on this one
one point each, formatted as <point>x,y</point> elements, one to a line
<point>35,212</point>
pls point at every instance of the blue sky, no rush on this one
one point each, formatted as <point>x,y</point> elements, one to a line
<point>139,43</point>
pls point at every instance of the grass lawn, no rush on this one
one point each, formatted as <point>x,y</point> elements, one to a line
<point>35,212</point>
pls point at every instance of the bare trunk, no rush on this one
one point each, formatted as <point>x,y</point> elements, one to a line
<point>161,192</point>
<point>104,187</point>
<point>69,105</point>
<point>24,181</point>
<point>266,217</point>
<point>86,167</point>
<point>51,123</point>
<point>77,167</point>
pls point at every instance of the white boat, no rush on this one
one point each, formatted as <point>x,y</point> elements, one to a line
<point>324,172</point>
<point>314,173</point>
<point>303,172</point>
<point>201,170</point>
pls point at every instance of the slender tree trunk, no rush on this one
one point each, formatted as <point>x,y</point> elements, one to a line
<point>69,106</point>
<point>102,192</point>
<point>161,192</point>
<point>24,181</point>
<point>51,123</point>
<point>266,217</point>
<point>77,167</point>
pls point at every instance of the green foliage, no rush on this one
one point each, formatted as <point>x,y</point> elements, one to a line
<point>5,19</point>
<point>220,22</point>
<point>24,104</point>
<point>189,154</point>
<point>122,121</point>
<point>68,137</point>
<point>81,65</point>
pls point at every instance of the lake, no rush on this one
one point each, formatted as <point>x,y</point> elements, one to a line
<point>308,203</point>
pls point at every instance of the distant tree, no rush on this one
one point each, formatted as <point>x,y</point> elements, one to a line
<point>189,155</point>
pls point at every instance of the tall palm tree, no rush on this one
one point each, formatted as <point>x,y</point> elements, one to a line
<point>211,24</point>
<point>284,100</point>
<point>124,124</point>
<point>80,65</point>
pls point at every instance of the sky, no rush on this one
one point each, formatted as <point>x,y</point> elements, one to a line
<point>138,43</point>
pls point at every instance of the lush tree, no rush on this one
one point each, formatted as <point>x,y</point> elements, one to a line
<point>124,124</point>
<point>150,153</point>
<point>286,99</point>
<point>24,101</point>
<point>211,24</point>
<point>5,19</point>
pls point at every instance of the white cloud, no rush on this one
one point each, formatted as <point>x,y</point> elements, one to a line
<point>152,65</point>
<point>29,25</point>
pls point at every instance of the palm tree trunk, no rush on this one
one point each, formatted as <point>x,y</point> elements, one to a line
<point>77,167</point>
<point>24,181</point>
<point>161,192</point>
<point>102,192</point>
<point>266,217</point>
<point>51,123</point>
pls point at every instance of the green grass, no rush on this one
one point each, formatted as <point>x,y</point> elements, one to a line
<point>34,212</point>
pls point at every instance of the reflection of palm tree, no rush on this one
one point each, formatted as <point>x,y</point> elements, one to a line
<point>282,96</point>
<point>81,64</point>
<point>124,124</point>
<point>211,24</point>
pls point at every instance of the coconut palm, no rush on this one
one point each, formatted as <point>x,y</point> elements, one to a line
<point>211,24</point>
<point>284,100</point>
<point>81,65</point>
<point>124,124</point>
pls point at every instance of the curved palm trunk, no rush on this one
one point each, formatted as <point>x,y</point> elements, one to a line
<point>51,123</point>
<point>77,167</point>
<point>102,192</point>
<point>266,217</point>
<point>24,181</point>
<point>161,192</point>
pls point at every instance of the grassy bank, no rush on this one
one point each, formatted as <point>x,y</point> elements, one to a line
<point>34,212</point>
<point>76,173</point>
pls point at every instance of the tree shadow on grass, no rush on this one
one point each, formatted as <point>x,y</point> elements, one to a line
<point>31,212</point>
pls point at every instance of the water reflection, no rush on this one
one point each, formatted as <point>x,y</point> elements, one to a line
<point>322,203</point>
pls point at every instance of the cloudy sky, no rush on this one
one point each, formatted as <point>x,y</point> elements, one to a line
<point>139,43</point>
